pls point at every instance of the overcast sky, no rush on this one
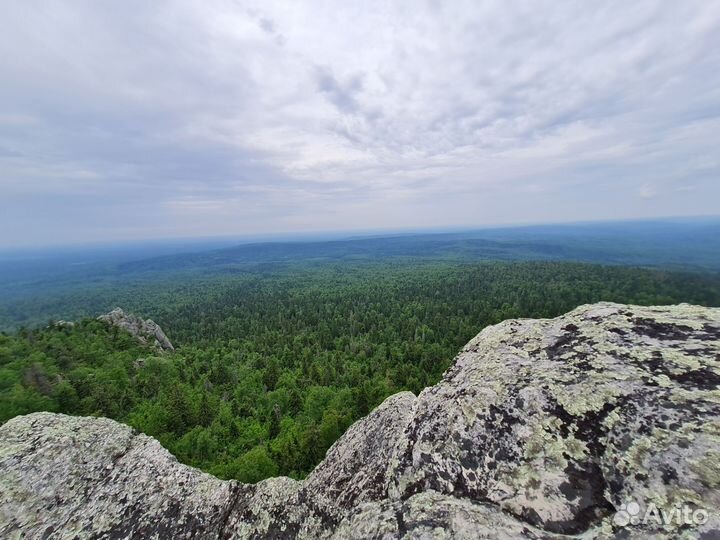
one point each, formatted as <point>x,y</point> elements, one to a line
<point>137,119</point>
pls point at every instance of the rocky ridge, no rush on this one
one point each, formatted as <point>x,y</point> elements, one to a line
<point>146,331</point>
<point>541,429</point>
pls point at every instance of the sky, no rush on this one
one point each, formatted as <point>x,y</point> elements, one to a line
<point>135,120</point>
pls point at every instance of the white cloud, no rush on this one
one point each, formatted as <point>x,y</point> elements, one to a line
<point>359,112</point>
<point>647,191</point>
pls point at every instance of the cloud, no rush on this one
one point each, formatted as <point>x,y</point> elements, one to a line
<point>235,117</point>
<point>647,191</point>
<point>342,95</point>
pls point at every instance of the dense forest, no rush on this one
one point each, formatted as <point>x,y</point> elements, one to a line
<point>74,282</point>
<point>271,367</point>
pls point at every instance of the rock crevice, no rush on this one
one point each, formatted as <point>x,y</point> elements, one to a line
<point>541,429</point>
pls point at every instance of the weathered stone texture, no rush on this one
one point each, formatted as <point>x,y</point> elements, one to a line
<point>541,429</point>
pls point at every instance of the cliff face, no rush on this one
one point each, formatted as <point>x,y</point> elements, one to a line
<point>579,425</point>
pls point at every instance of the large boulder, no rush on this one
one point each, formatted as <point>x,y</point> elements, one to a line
<point>146,331</point>
<point>602,423</point>
<point>71,477</point>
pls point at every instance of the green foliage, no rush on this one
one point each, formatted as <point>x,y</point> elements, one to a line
<point>272,368</point>
<point>252,466</point>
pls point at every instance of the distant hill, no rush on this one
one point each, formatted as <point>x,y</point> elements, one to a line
<point>35,286</point>
<point>686,245</point>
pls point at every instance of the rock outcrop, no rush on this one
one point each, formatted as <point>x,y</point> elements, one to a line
<point>601,423</point>
<point>145,331</point>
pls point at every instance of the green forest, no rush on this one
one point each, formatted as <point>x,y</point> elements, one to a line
<point>272,367</point>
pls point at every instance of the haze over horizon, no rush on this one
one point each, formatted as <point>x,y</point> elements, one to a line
<point>138,120</point>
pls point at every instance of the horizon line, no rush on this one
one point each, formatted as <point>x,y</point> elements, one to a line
<point>337,234</point>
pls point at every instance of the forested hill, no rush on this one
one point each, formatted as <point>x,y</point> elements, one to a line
<point>271,368</point>
<point>73,283</point>
<point>684,245</point>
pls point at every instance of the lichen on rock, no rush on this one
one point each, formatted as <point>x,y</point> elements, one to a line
<point>541,429</point>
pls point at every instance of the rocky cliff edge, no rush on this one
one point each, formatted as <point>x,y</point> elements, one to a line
<point>602,423</point>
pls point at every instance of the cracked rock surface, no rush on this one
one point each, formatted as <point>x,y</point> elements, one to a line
<point>541,429</point>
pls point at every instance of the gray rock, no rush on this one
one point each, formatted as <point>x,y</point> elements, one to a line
<point>64,324</point>
<point>145,331</point>
<point>70,477</point>
<point>139,363</point>
<point>541,429</point>
<point>353,472</point>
